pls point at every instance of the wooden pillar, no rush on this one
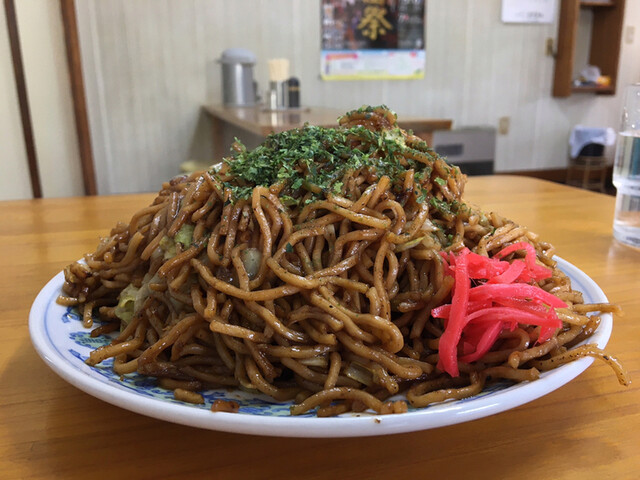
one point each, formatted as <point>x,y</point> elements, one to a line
<point>23,99</point>
<point>72,42</point>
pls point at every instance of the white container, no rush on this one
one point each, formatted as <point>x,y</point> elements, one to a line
<point>626,172</point>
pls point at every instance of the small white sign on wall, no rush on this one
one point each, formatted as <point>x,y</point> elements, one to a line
<point>528,11</point>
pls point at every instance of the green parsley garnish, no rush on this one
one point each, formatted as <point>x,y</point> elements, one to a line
<point>310,162</point>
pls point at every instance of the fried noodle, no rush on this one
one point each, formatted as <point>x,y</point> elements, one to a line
<point>316,293</point>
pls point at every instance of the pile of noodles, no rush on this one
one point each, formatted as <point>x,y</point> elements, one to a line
<point>316,294</point>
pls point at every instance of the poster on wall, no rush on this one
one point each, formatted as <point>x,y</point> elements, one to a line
<point>372,39</point>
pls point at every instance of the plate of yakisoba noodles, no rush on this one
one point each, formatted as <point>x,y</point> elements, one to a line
<point>330,282</point>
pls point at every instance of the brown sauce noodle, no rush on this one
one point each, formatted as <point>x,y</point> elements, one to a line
<point>326,304</point>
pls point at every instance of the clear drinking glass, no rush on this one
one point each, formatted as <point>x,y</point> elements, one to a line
<point>626,171</point>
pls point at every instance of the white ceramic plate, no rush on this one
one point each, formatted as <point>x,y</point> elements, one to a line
<point>60,339</point>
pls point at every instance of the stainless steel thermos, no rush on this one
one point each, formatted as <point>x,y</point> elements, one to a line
<point>238,86</point>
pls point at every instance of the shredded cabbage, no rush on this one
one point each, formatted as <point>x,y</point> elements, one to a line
<point>126,301</point>
<point>184,235</point>
<point>168,246</point>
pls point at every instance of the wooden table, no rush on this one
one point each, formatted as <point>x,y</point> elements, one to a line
<point>261,122</point>
<point>589,428</point>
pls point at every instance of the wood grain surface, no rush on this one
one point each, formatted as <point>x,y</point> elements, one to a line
<point>589,428</point>
<point>262,122</point>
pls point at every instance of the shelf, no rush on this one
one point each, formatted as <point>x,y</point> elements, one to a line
<point>594,89</point>
<point>596,3</point>
<point>604,51</point>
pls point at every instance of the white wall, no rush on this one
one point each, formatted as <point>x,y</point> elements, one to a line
<point>50,104</point>
<point>14,173</point>
<point>48,88</point>
<point>150,65</point>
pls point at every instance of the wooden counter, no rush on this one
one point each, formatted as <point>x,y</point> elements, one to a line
<point>261,122</point>
<point>590,428</point>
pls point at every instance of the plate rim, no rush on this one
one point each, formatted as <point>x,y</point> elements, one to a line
<point>353,425</point>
